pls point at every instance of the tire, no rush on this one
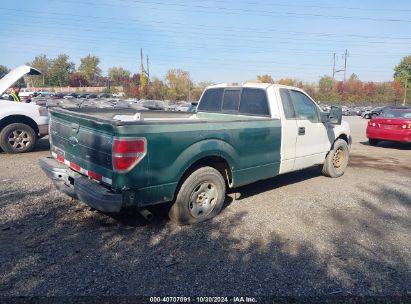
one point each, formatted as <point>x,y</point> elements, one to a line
<point>337,159</point>
<point>373,142</point>
<point>200,197</point>
<point>17,138</point>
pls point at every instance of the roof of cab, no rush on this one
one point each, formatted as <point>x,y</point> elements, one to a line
<point>252,85</point>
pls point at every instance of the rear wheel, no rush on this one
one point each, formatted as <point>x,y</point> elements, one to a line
<point>337,159</point>
<point>373,142</point>
<point>200,197</point>
<point>17,138</point>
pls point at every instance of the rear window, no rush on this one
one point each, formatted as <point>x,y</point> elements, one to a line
<point>396,113</point>
<point>211,100</point>
<point>254,102</point>
<point>231,100</point>
<point>246,101</point>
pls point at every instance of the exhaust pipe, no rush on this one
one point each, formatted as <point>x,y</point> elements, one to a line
<point>146,214</point>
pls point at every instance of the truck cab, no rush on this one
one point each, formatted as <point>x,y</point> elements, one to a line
<point>307,132</point>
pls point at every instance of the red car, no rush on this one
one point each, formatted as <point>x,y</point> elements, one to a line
<point>393,124</point>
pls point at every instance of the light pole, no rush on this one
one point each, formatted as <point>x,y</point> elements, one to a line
<point>406,83</point>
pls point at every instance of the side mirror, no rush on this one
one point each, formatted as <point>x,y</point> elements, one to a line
<point>335,116</point>
<point>324,116</point>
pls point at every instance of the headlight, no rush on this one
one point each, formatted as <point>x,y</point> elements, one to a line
<point>43,111</point>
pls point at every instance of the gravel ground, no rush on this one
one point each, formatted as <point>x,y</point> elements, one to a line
<point>295,235</point>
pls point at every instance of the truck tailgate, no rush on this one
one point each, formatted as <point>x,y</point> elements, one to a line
<point>83,145</point>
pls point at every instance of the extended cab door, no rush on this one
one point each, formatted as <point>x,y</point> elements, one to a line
<point>288,132</point>
<point>313,141</point>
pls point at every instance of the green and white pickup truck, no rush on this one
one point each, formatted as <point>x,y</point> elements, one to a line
<point>111,159</point>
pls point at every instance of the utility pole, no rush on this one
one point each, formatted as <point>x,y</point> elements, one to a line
<point>148,70</point>
<point>143,72</point>
<point>345,63</point>
<point>189,90</point>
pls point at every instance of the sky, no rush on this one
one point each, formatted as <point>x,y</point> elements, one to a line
<point>214,40</point>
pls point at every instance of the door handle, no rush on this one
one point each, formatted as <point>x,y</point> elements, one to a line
<point>301,131</point>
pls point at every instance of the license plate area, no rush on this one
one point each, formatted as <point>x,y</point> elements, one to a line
<point>388,127</point>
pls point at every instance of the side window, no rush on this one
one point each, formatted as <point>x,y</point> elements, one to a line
<point>231,100</point>
<point>287,102</point>
<point>254,102</point>
<point>304,107</point>
<point>211,100</point>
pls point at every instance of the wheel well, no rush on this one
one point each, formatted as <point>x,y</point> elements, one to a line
<point>345,137</point>
<point>216,162</point>
<point>19,119</point>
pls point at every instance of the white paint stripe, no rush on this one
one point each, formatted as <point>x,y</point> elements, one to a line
<point>107,180</point>
<point>85,172</point>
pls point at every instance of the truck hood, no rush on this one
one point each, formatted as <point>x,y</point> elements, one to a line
<point>14,75</point>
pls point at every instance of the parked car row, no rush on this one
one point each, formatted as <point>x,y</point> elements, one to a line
<point>142,104</point>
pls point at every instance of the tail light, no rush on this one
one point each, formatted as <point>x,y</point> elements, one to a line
<point>372,124</point>
<point>128,152</point>
<point>406,126</point>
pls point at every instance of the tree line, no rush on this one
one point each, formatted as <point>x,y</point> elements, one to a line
<point>177,85</point>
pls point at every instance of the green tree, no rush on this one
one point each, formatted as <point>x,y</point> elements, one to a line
<point>157,89</point>
<point>326,85</point>
<point>178,82</point>
<point>118,75</point>
<point>265,79</point>
<point>60,70</point>
<point>403,69</point>
<point>402,75</point>
<point>42,63</point>
<point>89,68</point>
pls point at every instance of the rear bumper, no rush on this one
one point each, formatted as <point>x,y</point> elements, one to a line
<point>80,187</point>
<point>381,134</point>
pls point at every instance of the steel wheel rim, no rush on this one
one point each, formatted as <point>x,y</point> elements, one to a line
<point>203,199</point>
<point>19,139</point>
<point>338,158</point>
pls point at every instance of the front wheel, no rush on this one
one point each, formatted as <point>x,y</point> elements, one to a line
<point>200,197</point>
<point>17,138</point>
<point>337,159</point>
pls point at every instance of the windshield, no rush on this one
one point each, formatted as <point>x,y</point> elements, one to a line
<point>397,113</point>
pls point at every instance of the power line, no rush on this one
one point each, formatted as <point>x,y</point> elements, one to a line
<point>312,6</point>
<point>238,11</point>
<point>221,49</point>
<point>211,27</point>
<point>222,37</point>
